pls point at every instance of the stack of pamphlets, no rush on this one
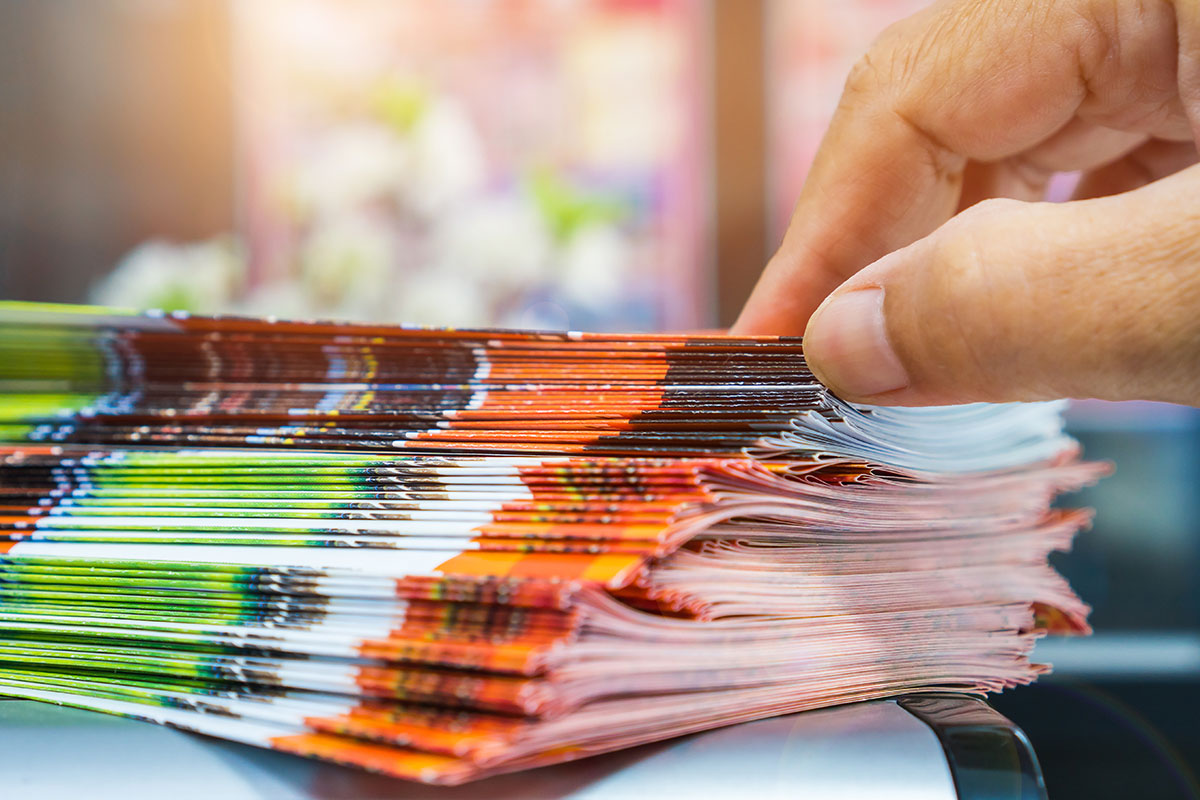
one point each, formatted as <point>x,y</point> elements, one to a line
<point>443,554</point>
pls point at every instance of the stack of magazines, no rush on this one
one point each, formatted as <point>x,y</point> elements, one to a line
<point>444,554</point>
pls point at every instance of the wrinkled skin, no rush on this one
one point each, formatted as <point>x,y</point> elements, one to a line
<point>920,262</point>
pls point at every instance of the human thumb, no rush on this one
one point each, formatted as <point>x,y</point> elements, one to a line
<point>1026,301</point>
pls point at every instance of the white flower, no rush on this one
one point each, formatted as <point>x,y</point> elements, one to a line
<point>346,266</point>
<point>501,242</point>
<point>447,161</point>
<point>282,299</point>
<point>595,265</point>
<point>201,277</point>
<point>439,299</point>
<point>353,164</point>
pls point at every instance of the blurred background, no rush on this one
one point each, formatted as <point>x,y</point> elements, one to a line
<point>594,164</point>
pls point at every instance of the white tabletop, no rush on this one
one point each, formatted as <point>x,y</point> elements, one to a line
<point>868,750</point>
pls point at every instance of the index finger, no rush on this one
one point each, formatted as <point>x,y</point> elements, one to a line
<point>960,81</point>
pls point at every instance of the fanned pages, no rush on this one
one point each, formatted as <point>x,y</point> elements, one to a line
<point>444,554</point>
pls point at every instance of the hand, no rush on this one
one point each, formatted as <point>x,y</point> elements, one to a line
<point>1010,299</point>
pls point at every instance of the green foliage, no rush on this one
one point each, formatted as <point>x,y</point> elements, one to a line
<point>566,208</point>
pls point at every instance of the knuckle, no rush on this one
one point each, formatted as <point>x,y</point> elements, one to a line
<point>867,77</point>
<point>988,210</point>
<point>958,263</point>
<point>966,246</point>
<point>969,308</point>
<point>977,226</point>
<point>903,63</point>
<point>886,69</point>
